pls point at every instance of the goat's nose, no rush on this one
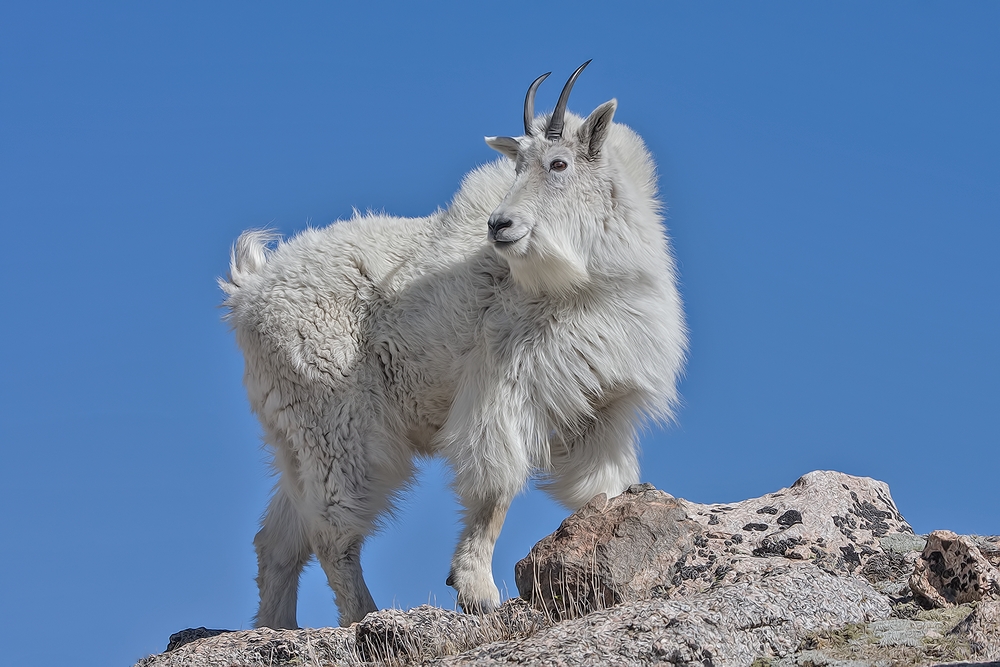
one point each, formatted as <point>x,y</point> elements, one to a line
<point>497,223</point>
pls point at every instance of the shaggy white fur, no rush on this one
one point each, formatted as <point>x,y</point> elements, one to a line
<point>535,348</point>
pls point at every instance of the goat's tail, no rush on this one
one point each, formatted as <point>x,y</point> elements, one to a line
<point>248,256</point>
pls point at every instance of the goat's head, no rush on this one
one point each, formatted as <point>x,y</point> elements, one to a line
<point>548,221</point>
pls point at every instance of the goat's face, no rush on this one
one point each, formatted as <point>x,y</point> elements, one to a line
<point>545,226</point>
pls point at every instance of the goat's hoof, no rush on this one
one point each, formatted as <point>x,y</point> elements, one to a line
<point>477,594</point>
<point>479,607</point>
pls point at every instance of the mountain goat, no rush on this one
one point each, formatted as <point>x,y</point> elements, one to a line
<point>527,329</point>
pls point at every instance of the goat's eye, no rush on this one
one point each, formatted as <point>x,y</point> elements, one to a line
<point>558,165</point>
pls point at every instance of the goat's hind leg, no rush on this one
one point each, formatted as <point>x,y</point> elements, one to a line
<point>358,486</point>
<point>283,549</point>
<point>340,557</point>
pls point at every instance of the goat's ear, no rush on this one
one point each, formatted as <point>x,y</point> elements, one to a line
<point>509,146</point>
<point>595,129</point>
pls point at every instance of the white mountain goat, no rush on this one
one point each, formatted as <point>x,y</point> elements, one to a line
<point>529,328</point>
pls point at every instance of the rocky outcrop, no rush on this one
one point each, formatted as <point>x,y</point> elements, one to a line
<point>611,551</point>
<point>952,570</point>
<point>647,542</point>
<point>212,648</point>
<point>826,572</point>
<point>413,635</point>
<point>390,635</point>
<point>765,613</point>
<point>981,629</point>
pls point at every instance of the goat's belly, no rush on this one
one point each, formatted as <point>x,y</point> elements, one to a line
<point>420,401</point>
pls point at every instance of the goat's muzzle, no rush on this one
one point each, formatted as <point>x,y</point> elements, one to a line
<point>501,228</point>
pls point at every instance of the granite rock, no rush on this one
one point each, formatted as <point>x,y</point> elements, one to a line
<point>394,634</point>
<point>766,613</point>
<point>981,629</point>
<point>816,574</point>
<point>647,542</point>
<point>952,570</point>
<point>608,552</point>
<point>257,648</point>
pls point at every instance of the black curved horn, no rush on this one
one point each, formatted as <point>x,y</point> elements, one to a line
<point>529,103</point>
<point>555,127</point>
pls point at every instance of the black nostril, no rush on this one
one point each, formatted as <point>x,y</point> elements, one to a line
<point>496,224</point>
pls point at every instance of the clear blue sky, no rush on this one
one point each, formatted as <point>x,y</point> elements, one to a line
<point>833,180</point>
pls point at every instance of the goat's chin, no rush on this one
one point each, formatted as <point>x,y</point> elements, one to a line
<point>547,274</point>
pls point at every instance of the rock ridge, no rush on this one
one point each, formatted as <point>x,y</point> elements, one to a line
<point>825,572</point>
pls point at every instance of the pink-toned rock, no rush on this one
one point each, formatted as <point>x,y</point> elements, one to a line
<point>952,570</point>
<point>731,625</point>
<point>667,580</point>
<point>199,647</point>
<point>829,518</point>
<point>841,515</point>
<point>982,630</point>
<point>646,542</point>
<point>607,552</point>
<point>396,636</point>
<point>990,548</point>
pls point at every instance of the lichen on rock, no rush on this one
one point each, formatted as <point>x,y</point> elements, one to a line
<point>825,572</point>
<point>952,570</point>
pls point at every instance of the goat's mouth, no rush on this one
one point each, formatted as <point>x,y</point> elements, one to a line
<point>506,238</point>
<point>507,242</point>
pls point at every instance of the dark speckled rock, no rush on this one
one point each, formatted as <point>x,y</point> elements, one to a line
<point>952,570</point>
<point>648,578</point>
<point>646,542</point>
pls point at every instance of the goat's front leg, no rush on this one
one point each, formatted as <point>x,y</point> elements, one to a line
<point>472,566</point>
<point>487,449</point>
